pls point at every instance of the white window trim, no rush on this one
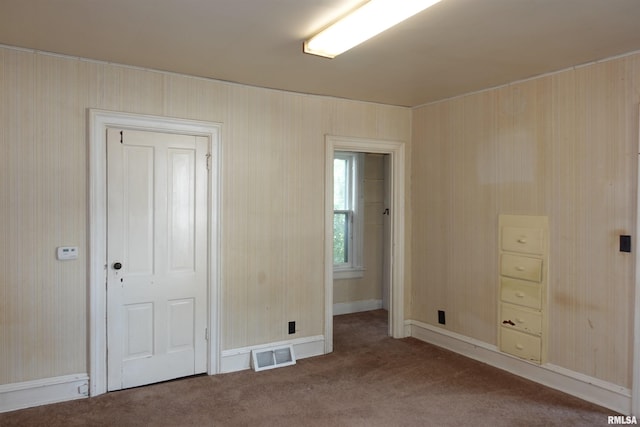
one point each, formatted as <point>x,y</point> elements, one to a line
<point>348,273</point>
<point>354,269</point>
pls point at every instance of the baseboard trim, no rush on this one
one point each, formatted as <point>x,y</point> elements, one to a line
<point>42,392</point>
<point>588,388</point>
<point>356,306</point>
<point>239,359</point>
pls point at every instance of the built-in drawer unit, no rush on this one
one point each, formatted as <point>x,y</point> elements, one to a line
<point>524,261</point>
<point>521,267</point>
<point>521,344</point>
<point>522,319</point>
<point>523,240</point>
<point>520,292</point>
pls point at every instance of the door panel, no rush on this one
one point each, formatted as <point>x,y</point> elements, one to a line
<point>181,224</point>
<point>137,211</point>
<point>181,333</point>
<point>157,228</point>
<point>138,331</point>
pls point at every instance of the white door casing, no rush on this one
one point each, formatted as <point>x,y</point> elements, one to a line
<point>397,188</point>
<point>156,256</point>
<point>635,379</point>
<point>99,122</point>
<point>386,257</point>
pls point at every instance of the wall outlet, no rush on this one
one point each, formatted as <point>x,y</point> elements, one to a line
<point>292,327</point>
<point>441,318</point>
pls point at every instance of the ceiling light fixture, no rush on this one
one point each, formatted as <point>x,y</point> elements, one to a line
<point>370,19</point>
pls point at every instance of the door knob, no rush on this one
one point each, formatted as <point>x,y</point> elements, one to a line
<point>117,265</point>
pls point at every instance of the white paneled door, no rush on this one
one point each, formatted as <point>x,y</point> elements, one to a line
<point>157,256</point>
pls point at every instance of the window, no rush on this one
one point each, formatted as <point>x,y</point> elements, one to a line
<point>347,215</point>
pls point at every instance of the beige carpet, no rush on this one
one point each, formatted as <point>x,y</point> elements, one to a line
<point>369,380</point>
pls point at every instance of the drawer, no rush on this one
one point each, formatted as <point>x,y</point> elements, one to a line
<point>523,240</point>
<point>520,292</point>
<point>521,319</point>
<point>520,267</point>
<point>519,344</point>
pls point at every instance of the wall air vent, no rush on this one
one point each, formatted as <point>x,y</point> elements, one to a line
<point>274,357</point>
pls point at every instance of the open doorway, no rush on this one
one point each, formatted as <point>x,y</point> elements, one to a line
<point>361,235</point>
<point>361,242</point>
<point>388,157</point>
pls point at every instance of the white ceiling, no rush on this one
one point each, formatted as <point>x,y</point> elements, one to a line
<point>455,47</point>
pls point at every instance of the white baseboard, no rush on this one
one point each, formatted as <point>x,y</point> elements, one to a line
<point>588,388</point>
<point>42,392</point>
<point>356,306</point>
<point>239,359</point>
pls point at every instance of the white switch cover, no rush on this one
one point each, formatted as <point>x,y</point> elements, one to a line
<point>67,252</point>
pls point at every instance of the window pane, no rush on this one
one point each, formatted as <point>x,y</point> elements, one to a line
<point>340,182</point>
<point>340,238</point>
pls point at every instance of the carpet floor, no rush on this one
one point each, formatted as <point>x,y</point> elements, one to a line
<point>369,380</point>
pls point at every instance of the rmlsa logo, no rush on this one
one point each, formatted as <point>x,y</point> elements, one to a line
<point>621,419</point>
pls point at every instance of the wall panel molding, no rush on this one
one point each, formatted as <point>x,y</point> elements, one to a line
<point>43,392</point>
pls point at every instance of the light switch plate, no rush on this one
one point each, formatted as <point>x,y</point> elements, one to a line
<point>625,243</point>
<point>67,252</point>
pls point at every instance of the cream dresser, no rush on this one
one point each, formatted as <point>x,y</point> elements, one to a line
<point>523,275</point>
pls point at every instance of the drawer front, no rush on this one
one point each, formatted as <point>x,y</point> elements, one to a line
<point>523,240</point>
<point>520,267</point>
<point>520,292</point>
<point>521,319</point>
<point>520,344</point>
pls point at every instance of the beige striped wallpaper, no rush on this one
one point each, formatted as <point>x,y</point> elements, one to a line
<point>272,199</point>
<point>563,145</point>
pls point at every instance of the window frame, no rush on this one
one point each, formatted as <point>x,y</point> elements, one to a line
<point>354,267</point>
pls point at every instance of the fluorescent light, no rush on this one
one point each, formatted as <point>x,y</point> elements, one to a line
<point>369,20</point>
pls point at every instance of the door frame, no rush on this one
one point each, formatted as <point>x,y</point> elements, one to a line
<point>396,151</point>
<point>99,121</point>
<point>635,378</point>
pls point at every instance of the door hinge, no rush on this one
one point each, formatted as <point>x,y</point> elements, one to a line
<point>206,334</point>
<point>121,137</point>
<point>208,162</point>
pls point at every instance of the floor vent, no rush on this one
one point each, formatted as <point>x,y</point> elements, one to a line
<point>275,357</point>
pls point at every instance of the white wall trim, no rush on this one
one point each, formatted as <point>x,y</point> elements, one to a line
<point>42,392</point>
<point>239,359</point>
<point>396,151</point>
<point>99,120</point>
<point>635,379</point>
<point>356,306</point>
<point>352,273</point>
<point>588,388</point>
